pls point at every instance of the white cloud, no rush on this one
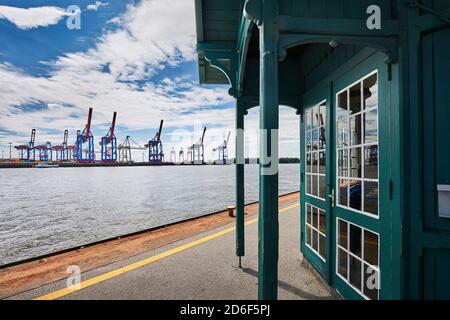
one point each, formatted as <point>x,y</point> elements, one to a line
<point>95,6</point>
<point>147,40</point>
<point>32,17</point>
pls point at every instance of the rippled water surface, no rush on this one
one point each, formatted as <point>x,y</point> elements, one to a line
<point>46,210</point>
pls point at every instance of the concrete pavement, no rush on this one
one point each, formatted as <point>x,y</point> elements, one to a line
<point>206,270</point>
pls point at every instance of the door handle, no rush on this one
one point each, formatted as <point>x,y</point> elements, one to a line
<point>331,196</point>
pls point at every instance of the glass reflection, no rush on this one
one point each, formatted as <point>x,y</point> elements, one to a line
<point>355,130</point>
<point>343,194</point>
<point>355,98</point>
<point>355,162</point>
<point>342,162</point>
<point>322,222</point>
<point>371,247</point>
<point>355,240</point>
<point>343,234</point>
<point>371,197</point>
<point>308,235</point>
<point>370,92</point>
<point>315,240</point>
<point>371,282</point>
<point>371,126</point>
<point>355,272</point>
<point>322,246</point>
<point>355,194</point>
<point>322,187</point>
<point>342,267</point>
<point>371,162</point>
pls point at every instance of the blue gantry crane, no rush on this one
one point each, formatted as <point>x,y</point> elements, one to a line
<point>45,151</point>
<point>109,143</point>
<point>27,151</point>
<point>155,147</point>
<point>85,142</point>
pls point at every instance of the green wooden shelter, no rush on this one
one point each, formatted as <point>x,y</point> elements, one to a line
<point>370,80</point>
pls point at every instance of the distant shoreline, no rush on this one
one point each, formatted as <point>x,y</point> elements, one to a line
<point>24,165</point>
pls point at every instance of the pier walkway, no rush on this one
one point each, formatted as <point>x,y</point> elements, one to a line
<point>203,266</point>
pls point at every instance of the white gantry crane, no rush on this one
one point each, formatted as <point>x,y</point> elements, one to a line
<point>222,151</point>
<point>126,147</point>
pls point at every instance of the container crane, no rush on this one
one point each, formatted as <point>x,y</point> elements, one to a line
<point>198,150</point>
<point>62,150</point>
<point>181,155</point>
<point>27,151</point>
<point>45,151</point>
<point>173,155</point>
<point>155,148</point>
<point>85,142</point>
<point>223,151</point>
<point>126,147</point>
<point>109,143</point>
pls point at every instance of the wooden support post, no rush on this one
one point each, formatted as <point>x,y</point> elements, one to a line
<point>240,191</point>
<point>268,171</point>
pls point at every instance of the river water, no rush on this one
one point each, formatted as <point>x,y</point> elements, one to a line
<point>47,210</point>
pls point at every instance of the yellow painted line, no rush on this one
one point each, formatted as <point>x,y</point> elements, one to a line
<point>109,275</point>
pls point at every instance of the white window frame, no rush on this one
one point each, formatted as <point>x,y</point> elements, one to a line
<point>362,145</point>
<point>361,259</point>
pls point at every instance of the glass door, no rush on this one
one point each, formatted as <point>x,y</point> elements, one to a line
<point>314,199</point>
<point>356,210</point>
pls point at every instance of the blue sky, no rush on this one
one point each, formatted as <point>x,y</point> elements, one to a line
<point>134,57</point>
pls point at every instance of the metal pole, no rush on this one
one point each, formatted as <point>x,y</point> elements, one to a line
<point>10,145</point>
<point>268,188</point>
<point>240,191</point>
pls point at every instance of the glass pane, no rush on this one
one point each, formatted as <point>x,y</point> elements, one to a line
<point>371,282</point>
<point>315,215</point>
<point>355,98</point>
<point>371,162</point>
<point>371,126</point>
<point>322,246</point>
<point>370,92</point>
<point>355,272</point>
<point>322,162</point>
<point>308,235</point>
<point>341,112</point>
<point>342,120</point>
<point>315,112</point>
<point>322,187</point>
<point>308,214</point>
<point>342,259</point>
<point>355,240</point>
<point>323,114</point>
<point>342,133</point>
<point>315,244</point>
<point>315,190</point>
<point>355,194</point>
<point>342,163</point>
<point>308,120</point>
<point>315,139</point>
<point>371,247</point>
<point>355,130</point>
<point>371,197</point>
<point>343,195</point>
<point>322,138</point>
<point>308,162</point>
<point>308,183</point>
<point>355,162</point>
<point>308,139</point>
<point>343,234</point>
<point>315,162</point>
<point>322,222</point>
